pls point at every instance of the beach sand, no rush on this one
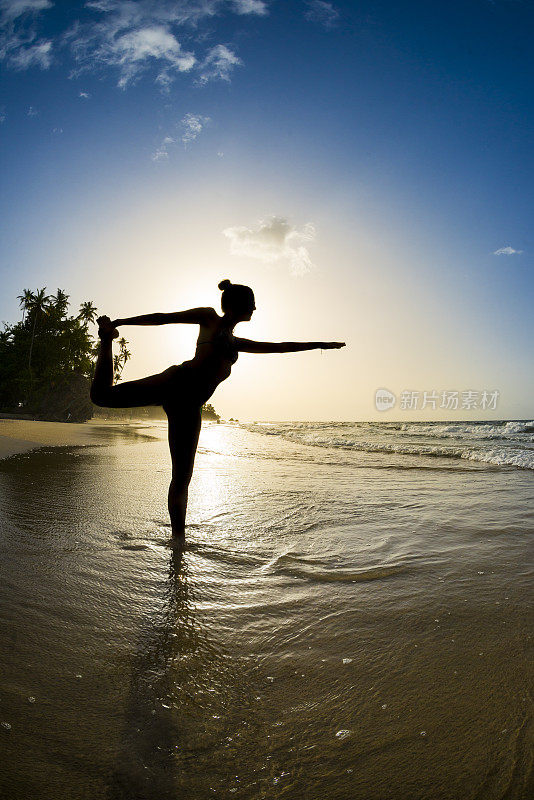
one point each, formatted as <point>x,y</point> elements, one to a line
<point>342,624</point>
<point>20,436</point>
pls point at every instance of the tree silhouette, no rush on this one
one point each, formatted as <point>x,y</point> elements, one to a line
<point>121,358</point>
<point>87,313</point>
<point>47,360</point>
<point>60,302</point>
<point>37,307</point>
<point>25,300</point>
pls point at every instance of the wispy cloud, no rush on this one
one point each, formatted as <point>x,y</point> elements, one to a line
<point>162,152</point>
<point>20,46</point>
<point>250,7</point>
<point>32,112</point>
<point>133,37</point>
<point>218,64</point>
<point>507,251</point>
<point>321,12</point>
<point>130,37</point>
<point>192,126</point>
<point>3,114</point>
<point>187,130</point>
<point>131,51</point>
<point>35,55</point>
<point>274,239</point>
<point>12,9</point>
<point>84,95</point>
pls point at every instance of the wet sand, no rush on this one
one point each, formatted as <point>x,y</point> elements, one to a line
<point>20,436</point>
<point>340,625</point>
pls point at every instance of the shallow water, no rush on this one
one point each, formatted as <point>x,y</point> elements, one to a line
<point>344,623</point>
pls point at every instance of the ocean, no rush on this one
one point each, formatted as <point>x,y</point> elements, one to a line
<point>351,618</point>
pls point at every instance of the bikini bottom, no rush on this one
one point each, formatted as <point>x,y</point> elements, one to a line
<point>185,386</point>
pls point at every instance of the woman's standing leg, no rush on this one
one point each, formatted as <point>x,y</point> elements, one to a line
<point>184,430</point>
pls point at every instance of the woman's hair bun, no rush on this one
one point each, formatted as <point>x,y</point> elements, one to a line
<point>225,284</point>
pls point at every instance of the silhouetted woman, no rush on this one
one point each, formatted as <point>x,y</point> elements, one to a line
<point>183,389</point>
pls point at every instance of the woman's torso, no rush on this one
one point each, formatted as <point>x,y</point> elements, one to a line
<point>216,351</point>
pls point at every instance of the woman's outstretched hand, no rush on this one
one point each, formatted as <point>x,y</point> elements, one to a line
<point>332,345</point>
<point>106,328</point>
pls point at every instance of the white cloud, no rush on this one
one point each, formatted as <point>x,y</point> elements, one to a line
<point>133,36</point>
<point>323,13</point>
<point>136,48</point>
<point>84,95</point>
<point>187,129</point>
<point>128,36</point>
<point>192,126</point>
<point>162,152</point>
<point>32,112</point>
<point>131,51</point>
<point>218,64</point>
<point>127,14</point>
<point>274,239</point>
<point>20,47</point>
<point>38,55</point>
<point>250,7</point>
<point>507,251</point>
<point>11,9</point>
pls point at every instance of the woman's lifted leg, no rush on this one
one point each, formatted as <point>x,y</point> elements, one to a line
<point>144,392</point>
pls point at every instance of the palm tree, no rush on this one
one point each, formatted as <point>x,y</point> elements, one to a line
<point>87,312</point>
<point>125,353</point>
<point>37,306</point>
<point>120,360</point>
<point>60,301</point>
<point>25,300</point>
<point>46,360</point>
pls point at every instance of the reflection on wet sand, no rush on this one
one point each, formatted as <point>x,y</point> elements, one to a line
<point>146,760</point>
<point>324,632</point>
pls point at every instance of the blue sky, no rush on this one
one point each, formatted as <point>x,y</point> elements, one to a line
<point>377,154</point>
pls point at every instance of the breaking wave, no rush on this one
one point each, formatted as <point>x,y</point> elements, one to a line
<point>500,444</point>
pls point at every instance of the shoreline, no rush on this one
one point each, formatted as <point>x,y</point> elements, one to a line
<point>20,436</point>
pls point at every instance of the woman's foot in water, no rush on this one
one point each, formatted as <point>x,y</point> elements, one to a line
<point>106,330</point>
<point>177,541</point>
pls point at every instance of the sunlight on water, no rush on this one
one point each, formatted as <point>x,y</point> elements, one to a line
<point>338,625</point>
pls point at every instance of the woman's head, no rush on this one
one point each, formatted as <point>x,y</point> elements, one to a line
<point>237,299</point>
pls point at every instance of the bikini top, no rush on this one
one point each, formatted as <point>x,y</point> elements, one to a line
<point>224,343</point>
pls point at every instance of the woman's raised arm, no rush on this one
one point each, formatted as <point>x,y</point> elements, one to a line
<point>198,316</point>
<point>249,346</point>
